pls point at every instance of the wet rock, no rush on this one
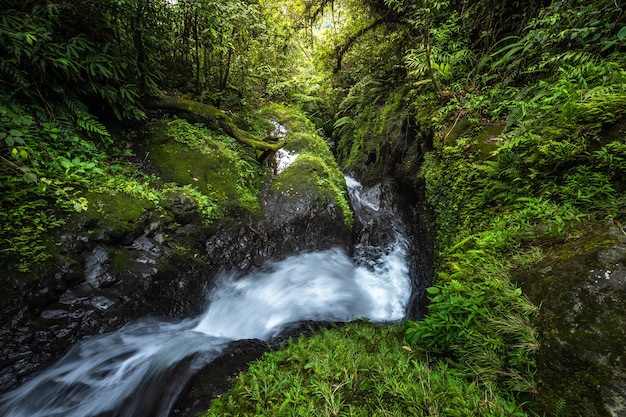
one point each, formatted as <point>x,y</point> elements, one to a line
<point>182,208</point>
<point>581,288</point>
<point>217,377</point>
<point>101,303</point>
<point>117,284</point>
<point>127,258</point>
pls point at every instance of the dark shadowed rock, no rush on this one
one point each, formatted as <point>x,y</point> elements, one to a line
<point>581,288</point>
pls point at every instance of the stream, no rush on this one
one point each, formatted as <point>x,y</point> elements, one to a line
<point>140,369</point>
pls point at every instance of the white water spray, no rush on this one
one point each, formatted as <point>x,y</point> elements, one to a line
<point>130,372</point>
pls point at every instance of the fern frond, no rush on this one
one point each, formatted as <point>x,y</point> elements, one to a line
<point>342,122</point>
<point>74,105</point>
<point>11,73</point>
<point>84,119</point>
<point>89,123</point>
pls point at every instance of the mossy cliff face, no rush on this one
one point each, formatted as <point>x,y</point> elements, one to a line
<point>581,288</point>
<point>151,244</point>
<point>382,146</point>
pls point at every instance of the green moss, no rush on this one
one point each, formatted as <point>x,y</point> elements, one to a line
<point>485,143</point>
<point>293,119</point>
<point>457,130</point>
<point>310,176</point>
<point>214,116</point>
<point>581,321</point>
<point>211,163</point>
<point>122,211</point>
<point>378,129</point>
<point>315,169</point>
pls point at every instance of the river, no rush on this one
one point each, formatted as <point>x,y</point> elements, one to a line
<point>126,373</point>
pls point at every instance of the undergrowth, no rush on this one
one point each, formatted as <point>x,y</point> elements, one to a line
<point>362,369</point>
<point>48,167</point>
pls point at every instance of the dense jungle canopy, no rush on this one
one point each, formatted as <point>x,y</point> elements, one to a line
<point>506,115</point>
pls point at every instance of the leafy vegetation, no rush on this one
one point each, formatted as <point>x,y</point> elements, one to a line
<point>361,369</point>
<point>505,113</point>
<point>68,71</point>
<point>547,79</point>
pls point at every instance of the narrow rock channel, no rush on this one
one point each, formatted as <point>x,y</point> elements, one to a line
<point>122,372</point>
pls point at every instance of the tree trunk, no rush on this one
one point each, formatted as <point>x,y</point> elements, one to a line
<point>138,28</point>
<point>197,53</point>
<point>205,113</point>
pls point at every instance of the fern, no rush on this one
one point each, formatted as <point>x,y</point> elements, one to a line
<point>74,105</point>
<point>84,119</point>
<point>12,74</point>
<point>559,407</point>
<point>90,124</point>
<point>342,123</point>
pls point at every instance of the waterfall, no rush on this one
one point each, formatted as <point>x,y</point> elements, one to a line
<point>129,372</point>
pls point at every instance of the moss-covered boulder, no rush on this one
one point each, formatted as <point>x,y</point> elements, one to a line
<point>226,174</point>
<point>581,288</point>
<point>303,207</point>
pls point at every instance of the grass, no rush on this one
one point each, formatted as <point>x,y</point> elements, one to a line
<point>361,369</point>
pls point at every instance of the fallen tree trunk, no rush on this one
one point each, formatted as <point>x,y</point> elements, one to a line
<point>205,113</point>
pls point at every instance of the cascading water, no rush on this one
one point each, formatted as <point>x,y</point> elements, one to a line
<point>129,372</point>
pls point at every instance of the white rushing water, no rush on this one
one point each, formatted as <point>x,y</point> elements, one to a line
<point>126,373</point>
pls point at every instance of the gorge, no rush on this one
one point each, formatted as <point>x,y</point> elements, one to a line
<point>172,202</point>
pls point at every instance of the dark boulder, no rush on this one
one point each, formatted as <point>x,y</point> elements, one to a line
<point>581,288</point>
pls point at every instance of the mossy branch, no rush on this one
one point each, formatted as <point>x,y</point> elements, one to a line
<point>205,113</point>
<point>343,48</point>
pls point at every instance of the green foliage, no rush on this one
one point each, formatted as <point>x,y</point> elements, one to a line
<point>372,118</point>
<point>44,64</point>
<point>359,370</point>
<point>559,406</point>
<point>589,29</point>
<point>61,173</point>
<point>44,165</point>
<point>483,325</point>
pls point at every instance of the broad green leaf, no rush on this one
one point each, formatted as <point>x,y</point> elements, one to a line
<point>30,38</point>
<point>66,163</point>
<point>30,178</point>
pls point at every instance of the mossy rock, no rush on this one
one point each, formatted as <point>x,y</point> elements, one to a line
<point>480,139</point>
<point>581,288</point>
<point>189,155</point>
<point>306,180</point>
<point>315,171</point>
<point>115,217</point>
